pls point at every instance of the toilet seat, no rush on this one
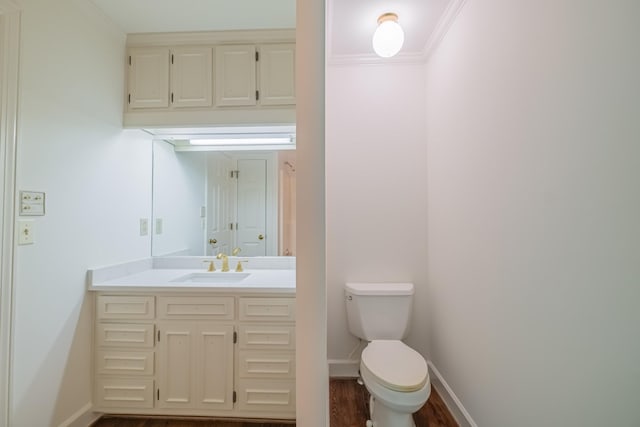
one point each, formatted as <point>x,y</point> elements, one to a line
<point>395,365</point>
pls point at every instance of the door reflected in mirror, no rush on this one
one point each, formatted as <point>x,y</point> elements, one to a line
<point>210,202</point>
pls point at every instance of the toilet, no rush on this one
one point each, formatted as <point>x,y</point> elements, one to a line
<point>395,375</point>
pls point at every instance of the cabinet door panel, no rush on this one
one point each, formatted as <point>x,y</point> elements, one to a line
<point>235,75</point>
<point>124,335</point>
<point>149,78</point>
<point>214,379</point>
<point>277,74</point>
<point>125,307</point>
<point>110,362</point>
<point>266,395</point>
<point>266,364</point>
<point>124,393</point>
<point>191,77</point>
<point>175,365</point>
<point>219,308</point>
<point>267,309</point>
<point>195,365</point>
<point>267,336</point>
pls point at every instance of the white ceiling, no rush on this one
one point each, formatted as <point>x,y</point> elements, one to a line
<point>350,23</point>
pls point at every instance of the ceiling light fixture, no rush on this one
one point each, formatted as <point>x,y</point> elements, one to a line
<point>389,37</point>
<point>243,141</point>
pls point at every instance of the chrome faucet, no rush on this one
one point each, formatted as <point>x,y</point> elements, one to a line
<point>225,261</point>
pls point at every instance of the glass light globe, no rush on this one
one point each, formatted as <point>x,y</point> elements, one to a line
<point>388,37</point>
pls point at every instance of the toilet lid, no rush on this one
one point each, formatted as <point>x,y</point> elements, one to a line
<point>395,365</point>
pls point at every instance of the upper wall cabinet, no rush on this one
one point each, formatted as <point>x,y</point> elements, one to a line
<point>191,77</point>
<point>249,75</point>
<point>219,78</point>
<point>190,69</point>
<point>148,78</point>
<point>277,74</point>
<point>236,75</point>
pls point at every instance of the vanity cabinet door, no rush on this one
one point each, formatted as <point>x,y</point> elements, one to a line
<point>235,75</point>
<point>148,78</point>
<point>195,365</point>
<point>191,77</point>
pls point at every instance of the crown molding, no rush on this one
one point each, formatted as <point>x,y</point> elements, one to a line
<point>211,37</point>
<point>442,27</point>
<point>372,59</point>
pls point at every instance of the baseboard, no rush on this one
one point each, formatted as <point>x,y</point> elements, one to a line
<point>344,368</point>
<point>450,399</point>
<point>83,417</point>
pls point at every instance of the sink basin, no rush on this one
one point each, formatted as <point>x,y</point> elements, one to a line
<point>212,278</point>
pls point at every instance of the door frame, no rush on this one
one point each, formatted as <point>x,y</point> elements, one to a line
<point>9,63</point>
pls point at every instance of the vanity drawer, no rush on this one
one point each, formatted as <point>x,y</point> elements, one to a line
<point>267,395</point>
<point>125,307</point>
<point>218,308</point>
<point>276,337</point>
<point>267,309</point>
<point>124,335</point>
<point>110,362</point>
<point>124,393</point>
<point>267,364</point>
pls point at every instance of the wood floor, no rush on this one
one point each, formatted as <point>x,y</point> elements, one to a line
<point>349,404</point>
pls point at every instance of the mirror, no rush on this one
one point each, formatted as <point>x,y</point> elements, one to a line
<point>206,202</point>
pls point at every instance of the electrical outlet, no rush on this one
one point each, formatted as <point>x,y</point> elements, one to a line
<point>144,226</point>
<point>158,225</point>
<point>26,232</point>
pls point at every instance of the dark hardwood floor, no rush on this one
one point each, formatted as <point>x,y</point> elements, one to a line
<point>349,407</point>
<point>349,404</point>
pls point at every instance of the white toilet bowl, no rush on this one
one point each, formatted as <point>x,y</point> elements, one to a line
<point>398,379</point>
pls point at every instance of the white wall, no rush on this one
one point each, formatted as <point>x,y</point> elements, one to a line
<point>179,180</point>
<point>97,181</point>
<point>376,199</point>
<point>533,206</point>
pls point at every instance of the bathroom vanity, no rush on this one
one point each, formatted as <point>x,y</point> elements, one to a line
<point>172,338</point>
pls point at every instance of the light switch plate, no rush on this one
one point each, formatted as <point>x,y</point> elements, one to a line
<point>158,225</point>
<point>26,232</point>
<point>144,226</point>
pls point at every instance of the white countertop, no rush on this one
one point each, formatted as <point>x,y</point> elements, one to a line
<point>140,276</point>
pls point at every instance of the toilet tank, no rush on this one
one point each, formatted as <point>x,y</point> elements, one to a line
<point>379,311</point>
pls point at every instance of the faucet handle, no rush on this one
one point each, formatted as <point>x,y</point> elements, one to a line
<point>235,251</point>
<point>239,268</point>
<point>212,266</point>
